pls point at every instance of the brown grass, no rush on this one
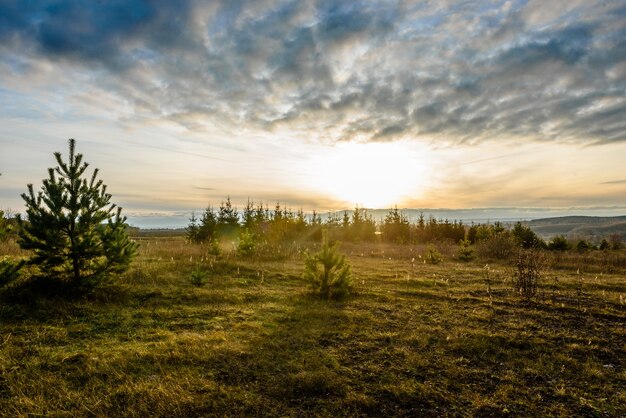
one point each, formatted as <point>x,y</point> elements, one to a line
<point>416,340</point>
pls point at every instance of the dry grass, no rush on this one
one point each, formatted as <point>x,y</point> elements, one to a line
<point>417,340</point>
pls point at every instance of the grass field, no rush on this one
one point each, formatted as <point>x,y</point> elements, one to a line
<point>415,340</point>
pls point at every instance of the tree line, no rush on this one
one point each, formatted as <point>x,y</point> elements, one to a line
<point>261,223</point>
<point>280,224</point>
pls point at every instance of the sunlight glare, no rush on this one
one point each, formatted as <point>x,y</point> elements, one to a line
<point>373,175</point>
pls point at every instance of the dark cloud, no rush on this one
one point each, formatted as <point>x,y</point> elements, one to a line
<point>459,71</point>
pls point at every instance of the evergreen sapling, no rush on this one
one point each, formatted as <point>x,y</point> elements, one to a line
<point>73,231</point>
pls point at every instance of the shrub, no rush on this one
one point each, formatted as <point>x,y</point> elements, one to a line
<point>71,227</point>
<point>466,252</point>
<point>197,276</point>
<point>433,256</point>
<point>9,270</point>
<point>214,247</point>
<point>558,243</point>
<point>604,245</point>
<point>7,226</point>
<point>528,273</point>
<point>526,237</point>
<point>499,247</point>
<point>246,244</point>
<point>328,272</point>
<point>583,246</point>
<point>482,232</point>
<point>616,241</point>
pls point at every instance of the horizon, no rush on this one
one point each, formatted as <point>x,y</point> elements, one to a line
<point>177,220</point>
<point>321,106</point>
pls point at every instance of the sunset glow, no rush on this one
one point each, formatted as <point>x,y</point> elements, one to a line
<point>370,175</point>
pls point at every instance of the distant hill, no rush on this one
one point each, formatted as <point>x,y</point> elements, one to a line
<point>589,227</point>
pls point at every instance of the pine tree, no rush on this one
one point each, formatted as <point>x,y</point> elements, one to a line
<point>362,226</point>
<point>396,227</point>
<point>300,222</point>
<point>207,231</point>
<point>328,272</point>
<point>249,215</point>
<point>316,219</point>
<point>331,220</point>
<point>9,270</point>
<point>345,221</point>
<point>259,214</point>
<point>74,232</point>
<point>227,219</point>
<point>421,221</point>
<point>278,213</point>
<point>229,213</point>
<point>526,237</point>
<point>192,228</point>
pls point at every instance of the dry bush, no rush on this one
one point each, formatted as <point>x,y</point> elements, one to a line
<point>498,247</point>
<point>10,248</point>
<point>527,274</point>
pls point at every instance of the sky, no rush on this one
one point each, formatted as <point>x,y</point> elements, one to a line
<point>320,104</point>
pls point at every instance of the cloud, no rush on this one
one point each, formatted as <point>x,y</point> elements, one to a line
<point>368,71</point>
<point>614,182</point>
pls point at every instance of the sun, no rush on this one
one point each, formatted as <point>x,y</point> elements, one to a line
<point>371,175</point>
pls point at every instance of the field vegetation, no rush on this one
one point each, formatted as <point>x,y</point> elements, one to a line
<point>188,332</point>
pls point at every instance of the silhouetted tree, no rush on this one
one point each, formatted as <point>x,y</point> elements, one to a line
<point>396,227</point>
<point>345,221</point>
<point>316,219</point>
<point>362,227</point>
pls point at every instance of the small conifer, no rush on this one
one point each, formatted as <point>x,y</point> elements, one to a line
<point>328,272</point>
<point>73,231</point>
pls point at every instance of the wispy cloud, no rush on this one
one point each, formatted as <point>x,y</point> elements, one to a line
<point>371,71</point>
<point>614,182</point>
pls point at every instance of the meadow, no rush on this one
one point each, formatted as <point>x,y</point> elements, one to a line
<point>414,339</point>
